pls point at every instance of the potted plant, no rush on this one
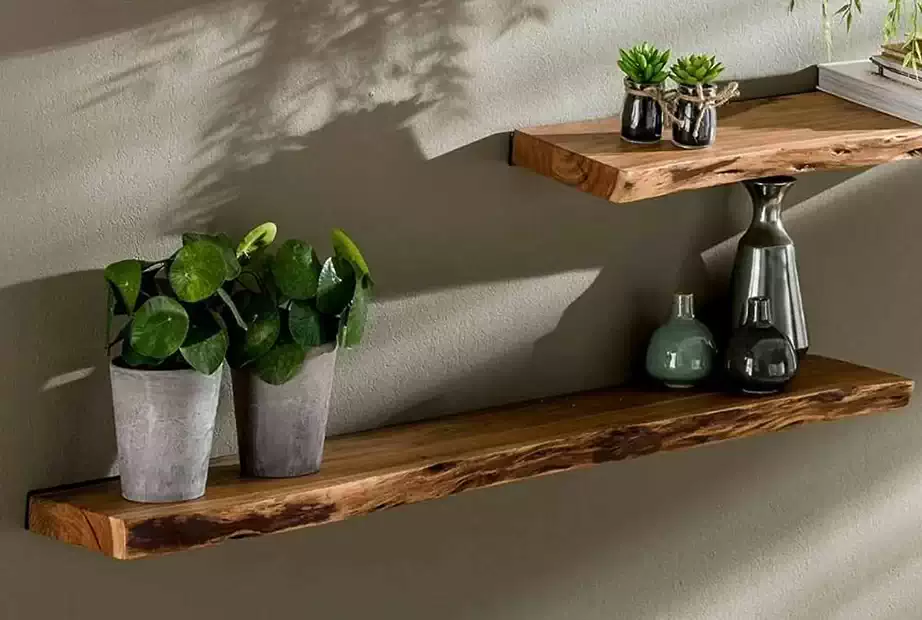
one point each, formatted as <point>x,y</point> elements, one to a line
<point>694,114</point>
<point>166,374</point>
<point>297,311</point>
<point>644,69</point>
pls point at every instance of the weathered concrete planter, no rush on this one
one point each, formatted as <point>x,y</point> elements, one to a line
<point>164,424</point>
<point>281,428</point>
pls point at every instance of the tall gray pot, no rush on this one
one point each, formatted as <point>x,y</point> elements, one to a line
<point>281,428</point>
<point>164,424</point>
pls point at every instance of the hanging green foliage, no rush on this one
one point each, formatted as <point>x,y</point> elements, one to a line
<point>903,22</point>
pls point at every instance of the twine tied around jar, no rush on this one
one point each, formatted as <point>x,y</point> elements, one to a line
<point>656,93</point>
<point>720,97</point>
<point>667,99</point>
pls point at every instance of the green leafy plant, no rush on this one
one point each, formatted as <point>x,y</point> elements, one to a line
<point>170,310</point>
<point>289,301</point>
<point>899,22</point>
<point>696,69</point>
<point>644,64</point>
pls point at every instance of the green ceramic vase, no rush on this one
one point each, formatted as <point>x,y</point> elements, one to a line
<point>681,352</point>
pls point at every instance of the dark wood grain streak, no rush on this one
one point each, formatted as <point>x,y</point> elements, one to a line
<point>755,138</point>
<point>376,470</point>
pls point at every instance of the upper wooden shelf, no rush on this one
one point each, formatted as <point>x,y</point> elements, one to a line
<point>756,138</point>
<point>383,468</point>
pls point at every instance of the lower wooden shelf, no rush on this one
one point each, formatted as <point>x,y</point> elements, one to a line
<point>388,467</point>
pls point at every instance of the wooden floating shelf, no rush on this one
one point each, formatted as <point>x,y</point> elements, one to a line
<point>370,471</point>
<point>755,138</point>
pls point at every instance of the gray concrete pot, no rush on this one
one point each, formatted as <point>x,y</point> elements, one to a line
<point>281,428</point>
<point>164,424</point>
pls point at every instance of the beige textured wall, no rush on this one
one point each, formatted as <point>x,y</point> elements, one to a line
<point>123,123</point>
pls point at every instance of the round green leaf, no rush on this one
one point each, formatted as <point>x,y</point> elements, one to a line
<point>258,238</point>
<point>231,264</point>
<point>352,325</point>
<point>205,347</point>
<point>280,364</point>
<point>296,269</point>
<point>263,326</point>
<point>306,324</point>
<point>344,247</point>
<point>125,276</point>
<point>198,270</point>
<point>159,327</point>
<point>132,358</point>
<point>335,286</point>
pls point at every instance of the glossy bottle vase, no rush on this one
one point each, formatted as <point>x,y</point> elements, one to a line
<point>766,265</point>
<point>681,351</point>
<point>760,359</point>
<point>641,117</point>
<point>695,124</point>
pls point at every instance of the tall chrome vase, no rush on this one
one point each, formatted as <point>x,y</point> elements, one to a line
<point>766,266</point>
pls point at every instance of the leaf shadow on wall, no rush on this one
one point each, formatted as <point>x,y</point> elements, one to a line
<point>313,131</point>
<point>316,129</point>
<point>33,26</point>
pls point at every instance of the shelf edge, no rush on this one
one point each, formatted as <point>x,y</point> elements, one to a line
<point>299,508</point>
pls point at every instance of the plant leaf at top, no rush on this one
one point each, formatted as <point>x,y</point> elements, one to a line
<point>305,324</point>
<point>231,264</point>
<point>352,324</point>
<point>132,358</point>
<point>159,327</point>
<point>256,239</point>
<point>125,276</point>
<point>280,364</point>
<point>263,327</point>
<point>296,269</point>
<point>198,270</point>
<point>344,247</point>
<point>336,286</point>
<point>205,346</point>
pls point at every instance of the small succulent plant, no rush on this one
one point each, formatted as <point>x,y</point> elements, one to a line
<point>644,64</point>
<point>286,302</point>
<point>696,69</point>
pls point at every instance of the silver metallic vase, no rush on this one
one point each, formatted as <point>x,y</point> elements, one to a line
<point>766,266</point>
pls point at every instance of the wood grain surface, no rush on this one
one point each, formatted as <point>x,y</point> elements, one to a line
<point>370,471</point>
<point>755,138</point>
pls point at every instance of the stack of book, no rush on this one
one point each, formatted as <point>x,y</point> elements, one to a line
<point>885,82</point>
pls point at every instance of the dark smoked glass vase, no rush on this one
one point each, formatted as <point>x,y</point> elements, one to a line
<point>695,124</point>
<point>641,117</point>
<point>760,359</point>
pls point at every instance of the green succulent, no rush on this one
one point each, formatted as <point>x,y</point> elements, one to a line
<point>696,69</point>
<point>169,311</point>
<point>289,301</point>
<point>644,64</point>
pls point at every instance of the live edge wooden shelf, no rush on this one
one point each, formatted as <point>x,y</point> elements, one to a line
<point>755,138</point>
<point>388,467</point>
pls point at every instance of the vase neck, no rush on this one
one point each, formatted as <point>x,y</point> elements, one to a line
<point>683,306</point>
<point>767,197</point>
